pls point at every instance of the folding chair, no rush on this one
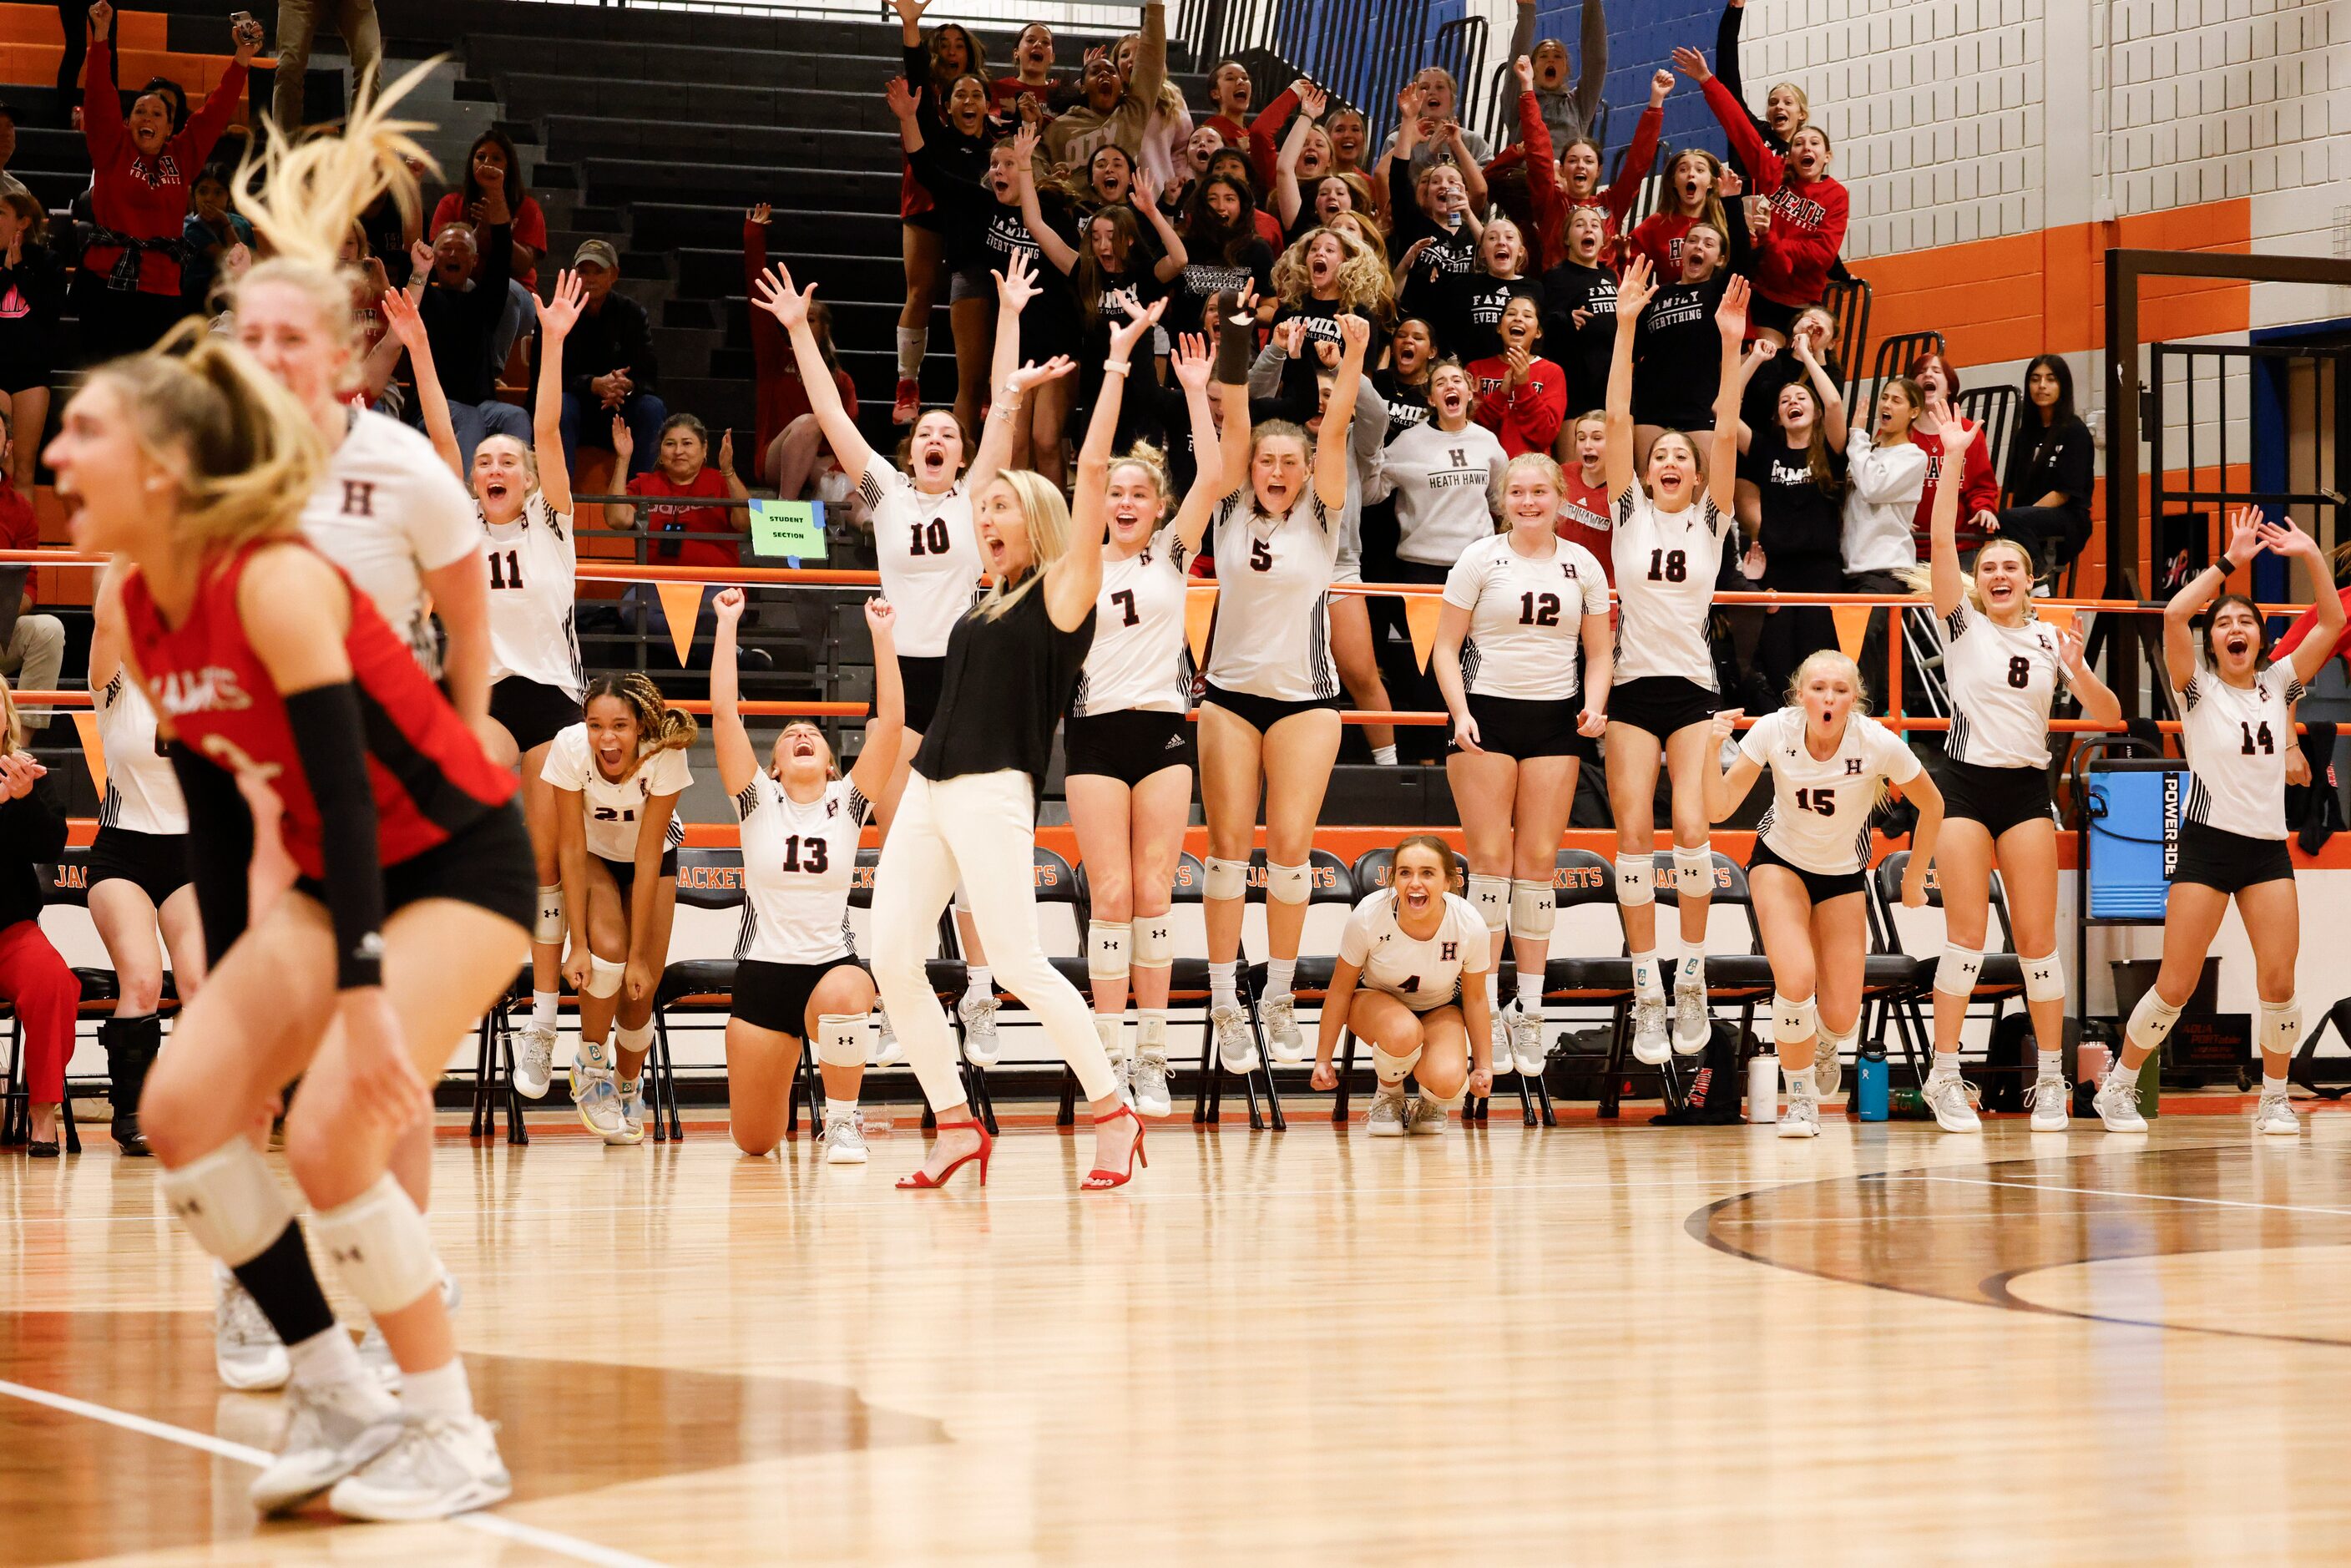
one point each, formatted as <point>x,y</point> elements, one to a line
<point>1187,978</point>
<point>706,878</point>
<point>1848,304</point>
<point>494,1065</point>
<point>1738,980</point>
<point>946,975</point>
<point>2001,980</point>
<point>1993,409</point>
<point>64,883</point>
<point>1327,884</point>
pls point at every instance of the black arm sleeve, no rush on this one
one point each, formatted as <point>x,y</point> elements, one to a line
<point>331,740</point>
<point>220,847</point>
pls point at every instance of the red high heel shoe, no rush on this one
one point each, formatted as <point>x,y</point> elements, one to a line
<point>1100,1180</point>
<point>924,1181</point>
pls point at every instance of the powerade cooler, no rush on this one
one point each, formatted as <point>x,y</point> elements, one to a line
<point>2135,806</point>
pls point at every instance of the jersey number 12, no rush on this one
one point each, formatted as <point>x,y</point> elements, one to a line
<point>1538,609</point>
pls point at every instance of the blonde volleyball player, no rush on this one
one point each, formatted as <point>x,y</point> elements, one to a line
<point>1830,767</point>
<point>1518,606</point>
<point>2002,665</point>
<point>2238,729</point>
<point>796,979</point>
<point>1410,981</point>
<point>1669,532</point>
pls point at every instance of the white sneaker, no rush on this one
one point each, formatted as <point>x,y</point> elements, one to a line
<point>246,1352</point>
<point>599,1110</point>
<point>2276,1117</point>
<point>1148,1076</point>
<point>1386,1118</point>
<point>588,1064</point>
<point>844,1140</point>
<point>1693,1023</point>
<point>1801,1119</point>
<point>633,1112</point>
<point>1500,1045</point>
<point>1235,1047</point>
<point>1948,1096</point>
<point>534,1061</point>
<point>375,1354</point>
<point>2117,1102</point>
<point>1526,1051</point>
<point>1121,1071</point>
<point>1650,1042</point>
<point>887,1052</point>
<point>1278,1015</point>
<point>435,1467</point>
<point>1828,1072</point>
<point>1427,1119</point>
<point>330,1430</point>
<point>2051,1098</point>
<point>979,1015</point>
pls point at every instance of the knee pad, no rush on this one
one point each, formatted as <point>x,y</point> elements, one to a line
<point>1225,879</point>
<point>1106,948</point>
<point>1956,970</point>
<point>1694,872</point>
<point>1394,1069</point>
<point>1490,896</point>
<point>229,1202</point>
<point>1792,1020</point>
<point>1534,910</point>
<point>1830,1040</point>
<point>842,1038</point>
<point>636,1040</point>
<point>1289,883</point>
<point>1154,942</point>
<point>1636,881</point>
<point>2045,978</point>
<point>2281,1026</point>
<point>547,929</point>
<point>2151,1020</point>
<point>604,978</point>
<point>380,1246</point>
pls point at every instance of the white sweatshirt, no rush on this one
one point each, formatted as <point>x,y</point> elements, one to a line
<point>1880,504</point>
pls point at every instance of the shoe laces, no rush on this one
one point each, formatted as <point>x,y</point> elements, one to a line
<point>979,1012</point>
<point>844,1129</point>
<point>243,1318</point>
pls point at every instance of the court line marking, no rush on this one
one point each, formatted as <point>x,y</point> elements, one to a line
<point>2150,1196</point>
<point>485,1524</point>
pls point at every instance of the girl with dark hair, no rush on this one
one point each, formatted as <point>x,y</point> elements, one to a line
<point>1791,504</point>
<point>1693,196</point>
<point>1557,193</point>
<point>32,309</point>
<point>1676,380</point>
<point>1522,396</point>
<point>1580,303</point>
<point>684,471</point>
<point>493,161</point>
<point>932,68</point>
<point>1978,490</point>
<point>790,438</point>
<point>2049,469</point>
<point>1227,254</point>
<point>948,149</point>
<point>1809,209</point>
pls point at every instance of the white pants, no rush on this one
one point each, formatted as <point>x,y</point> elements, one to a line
<point>979,830</point>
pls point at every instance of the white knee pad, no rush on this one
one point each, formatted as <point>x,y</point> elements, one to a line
<point>229,1202</point>
<point>1830,1040</point>
<point>1534,910</point>
<point>1392,1069</point>
<point>2045,978</point>
<point>1956,970</point>
<point>1636,881</point>
<point>1106,948</point>
<point>637,1040</point>
<point>1792,1020</point>
<point>1289,883</point>
<point>547,929</point>
<point>380,1246</point>
<point>1154,942</point>
<point>604,978</point>
<point>2281,1026</point>
<point>2151,1020</point>
<point>1490,896</point>
<point>1225,879</point>
<point>844,1040</point>
<point>1694,872</point>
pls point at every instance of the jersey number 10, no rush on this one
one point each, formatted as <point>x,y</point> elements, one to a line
<point>930,539</point>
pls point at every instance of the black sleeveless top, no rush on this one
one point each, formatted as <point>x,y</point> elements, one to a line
<point>1003,686</point>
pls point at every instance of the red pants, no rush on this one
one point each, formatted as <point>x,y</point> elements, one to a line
<point>35,980</point>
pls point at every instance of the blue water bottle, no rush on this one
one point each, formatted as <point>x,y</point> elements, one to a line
<point>1869,1094</point>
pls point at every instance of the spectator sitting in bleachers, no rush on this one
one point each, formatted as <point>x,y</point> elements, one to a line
<point>1556,191</point>
<point>683,471</point>
<point>1032,72</point>
<point>35,654</point>
<point>32,300</point>
<point>1429,103</point>
<point>463,297</point>
<point>1113,109</point>
<point>791,444</point>
<point>608,368</point>
<point>1568,112</point>
<point>2049,469</point>
<point>492,160</point>
<point>210,230</point>
<point>33,980</point>
<point>1978,489</point>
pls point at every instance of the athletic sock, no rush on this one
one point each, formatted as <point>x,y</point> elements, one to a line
<point>1224,984</point>
<point>2273,1086</point>
<point>1384,755</point>
<point>1691,970</point>
<point>845,1109</point>
<point>912,342</point>
<point>1947,1065</point>
<point>1151,1026</point>
<point>2053,1063</point>
<point>1494,989</point>
<point>1644,975</point>
<point>284,1286</point>
<point>325,1357</point>
<point>627,1087</point>
<point>1800,1082</point>
<point>443,1391</point>
<point>1278,973</point>
<point>982,984</point>
<point>1531,988</point>
<point>542,1008</point>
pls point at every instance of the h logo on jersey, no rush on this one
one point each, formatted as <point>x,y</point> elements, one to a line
<point>1449,952</point>
<point>1853,767</point>
<point>1460,455</point>
<point>358,498</point>
<point>832,808</point>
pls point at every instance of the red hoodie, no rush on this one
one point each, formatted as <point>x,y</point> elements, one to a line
<point>132,197</point>
<point>1551,205</point>
<point>1979,491</point>
<point>1808,217</point>
<point>1264,141</point>
<point>1527,419</point>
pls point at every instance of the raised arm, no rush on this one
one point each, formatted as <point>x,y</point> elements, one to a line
<point>738,760</point>
<point>556,317</point>
<point>2286,540</point>
<point>885,729</point>
<point>1824,387</point>
<point>1633,293</point>
<point>1943,517</point>
<point>406,328</point>
<point>1173,257</point>
<point>1722,464</point>
<point>776,296</point>
<point>1074,581</point>
<point>1236,321</point>
<point>1192,367</point>
<point>1049,239</point>
<point>1286,198</point>
<point>1331,452</point>
<point>1150,56</point>
<point>1593,74</point>
<point>1726,787</point>
<point>1016,286</point>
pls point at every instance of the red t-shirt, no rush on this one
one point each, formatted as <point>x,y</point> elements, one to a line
<point>1584,520</point>
<point>1528,419</point>
<point>19,529</point>
<point>131,197</point>
<point>529,228</point>
<point>673,519</point>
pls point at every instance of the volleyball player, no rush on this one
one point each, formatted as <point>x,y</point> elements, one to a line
<point>1809,873</point>
<point>2002,665</point>
<point>1271,709</point>
<point>271,671</point>
<point>616,776</point>
<point>1409,981</point>
<point>2238,725</point>
<point>1517,606</point>
<point>138,879</point>
<point>1670,531</point>
<point>796,979</point>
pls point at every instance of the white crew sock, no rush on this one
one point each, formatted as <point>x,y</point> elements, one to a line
<point>981,983</point>
<point>2273,1086</point>
<point>1384,755</point>
<point>1947,1065</point>
<point>1644,975</point>
<point>1691,970</point>
<point>1799,1083</point>
<point>2053,1063</point>
<point>845,1109</point>
<point>1531,988</point>
<point>1224,984</point>
<point>443,1391</point>
<point>912,342</point>
<point>1494,989</point>
<point>542,1008</point>
<point>1278,973</point>
<point>326,1356</point>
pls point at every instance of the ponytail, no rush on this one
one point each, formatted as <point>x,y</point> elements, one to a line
<point>660,727</point>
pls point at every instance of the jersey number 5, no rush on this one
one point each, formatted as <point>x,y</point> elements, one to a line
<point>809,854</point>
<point>1260,558</point>
<point>506,571</point>
<point>1669,566</point>
<point>2261,737</point>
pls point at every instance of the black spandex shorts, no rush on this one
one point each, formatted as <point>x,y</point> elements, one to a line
<point>1261,714</point>
<point>1527,728</point>
<point>155,863</point>
<point>1661,705</point>
<point>533,712</point>
<point>1998,798</point>
<point>624,874</point>
<point>2214,857</point>
<point>1770,316</point>
<point>487,865</point>
<point>920,679</point>
<point>1819,886</point>
<point>775,996</point>
<point>1129,746</point>
<point>19,372</point>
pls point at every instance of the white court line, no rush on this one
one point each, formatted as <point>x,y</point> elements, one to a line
<point>485,1523</point>
<point>2150,1196</point>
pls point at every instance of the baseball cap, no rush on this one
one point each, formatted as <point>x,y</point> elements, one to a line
<point>599,252</point>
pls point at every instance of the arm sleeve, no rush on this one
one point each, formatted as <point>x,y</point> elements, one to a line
<point>1355,940</point>
<point>1593,77</point>
<point>220,847</point>
<point>1522,34</point>
<point>1265,372</point>
<point>331,739</point>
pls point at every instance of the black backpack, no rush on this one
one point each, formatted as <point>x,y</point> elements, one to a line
<point>1715,1088</point>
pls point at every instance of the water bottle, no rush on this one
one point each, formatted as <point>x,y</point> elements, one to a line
<point>1870,1083</point>
<point>2150,1085</point>
<point>1763,1087</point>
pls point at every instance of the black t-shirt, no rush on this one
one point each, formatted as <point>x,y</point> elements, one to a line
<point>1581,351</point>
<point>1322,318</point>
<point>1212,272</point>
<point>2041,458</point>
<point>1484,296</point>
<point>1436,289</point>
<point>1799,517</point>
<point>1761,405</point>
<point>1677,355</point>
<point>1003,687</point>
<point>1138,285</point>
<point>1407,405</point>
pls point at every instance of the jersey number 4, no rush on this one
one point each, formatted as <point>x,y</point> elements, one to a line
<point>1669,566</point>
<point>1538,609</point>
<point>1822,802</point>
<point>2260,739</point>
<point>810,854</point>
<point>506,571</point>
<point>930,539</point>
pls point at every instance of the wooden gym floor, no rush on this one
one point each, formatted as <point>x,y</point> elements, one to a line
<point>1593,1344</point>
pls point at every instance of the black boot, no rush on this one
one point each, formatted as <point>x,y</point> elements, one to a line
<point>131,1046</point>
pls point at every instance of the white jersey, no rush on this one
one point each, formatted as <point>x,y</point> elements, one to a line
<point>611,810</point>
<point>1526,616</point>
<point>929,554</point>
<point>1819,817</point>
<point>387,512</point>
<point>2237,739</point>
<point>532,562</point>
<point>1421,974</point>
<point>1273,600</point>
<point>1138,661</point>
<point>2001,680</point>
<point>1667,563</point>
<point>142,793</point>
<point>798,863</point>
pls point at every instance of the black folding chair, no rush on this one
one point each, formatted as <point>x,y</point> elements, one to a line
<point>2001,980</point>
<point>1738,980</point>
<point>1848,303</point>
<point>706,878</point>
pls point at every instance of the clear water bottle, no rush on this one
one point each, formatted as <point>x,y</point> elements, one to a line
<point>1763,1087</point>
<point>1869,1094</point>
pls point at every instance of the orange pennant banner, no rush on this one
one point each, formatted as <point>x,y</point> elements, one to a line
<point>682,603</point>
<point>1852,626</point>
<point>92,750</point>
<point>1420,613</point>
<point>1199,614</point>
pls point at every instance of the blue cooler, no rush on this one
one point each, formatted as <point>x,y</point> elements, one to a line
<point>2133,812</point>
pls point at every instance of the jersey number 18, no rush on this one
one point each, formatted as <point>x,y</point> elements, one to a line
<point>1669,566</point>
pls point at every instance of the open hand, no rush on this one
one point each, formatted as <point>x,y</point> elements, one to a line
<point>1691,64</point>
<point>777,298</point>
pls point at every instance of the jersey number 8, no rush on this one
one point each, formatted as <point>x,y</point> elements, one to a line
<point>2020,672</point>
<point>1669,566</point>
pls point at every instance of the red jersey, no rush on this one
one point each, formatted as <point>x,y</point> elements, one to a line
<point>1583,519</point>
<point>2303,626</point>
<point>664,516</point>
<point>431,778</point>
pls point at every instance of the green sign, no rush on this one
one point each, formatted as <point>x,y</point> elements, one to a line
<point>788,528</point>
